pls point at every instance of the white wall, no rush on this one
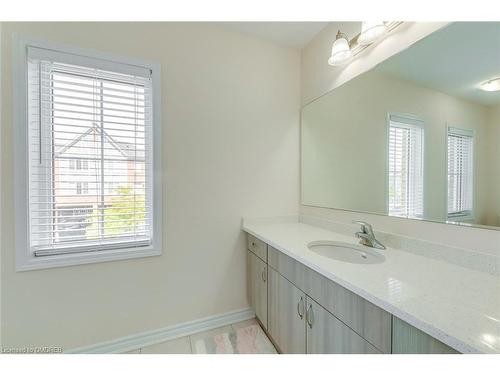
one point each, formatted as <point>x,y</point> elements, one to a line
<point>231,149</point>
<point>494,167</point>
<point>344,143</point>
<point>318,78</point>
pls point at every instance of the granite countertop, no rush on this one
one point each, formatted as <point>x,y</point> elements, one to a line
<point>456,305</point>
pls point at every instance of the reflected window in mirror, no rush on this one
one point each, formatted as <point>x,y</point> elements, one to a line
<point>362,143</point>
<point>405,194</point>
<point>460,174</point>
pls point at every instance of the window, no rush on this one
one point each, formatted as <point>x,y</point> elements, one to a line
<point>460,173</point>
<point>81,164</point>
<point>82,188</point>
<point>405,167</point>
<point>91,122</point>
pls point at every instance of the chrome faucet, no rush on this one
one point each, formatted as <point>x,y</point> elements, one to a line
<point>366,236</point>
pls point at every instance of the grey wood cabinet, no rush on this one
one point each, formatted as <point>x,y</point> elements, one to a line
<point>363,317</point>
<point>407,339</point>
<point>326,334</point>
<point>306,312</point>
<point>286,315</point>
<point>257,286</point>
<point>366,319</point>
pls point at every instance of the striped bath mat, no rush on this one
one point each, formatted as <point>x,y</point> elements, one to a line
<point>247,340</point>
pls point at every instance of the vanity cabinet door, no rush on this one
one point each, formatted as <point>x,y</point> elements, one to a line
<point>257,286</point>
<point>328,335</point>
<point>286,315</point>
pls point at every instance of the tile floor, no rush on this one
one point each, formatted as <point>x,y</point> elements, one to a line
<point>185,345</point>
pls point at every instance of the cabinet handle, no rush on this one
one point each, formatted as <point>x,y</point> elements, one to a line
<point>300,308</point>
<point>310,316</point>
<point>263,274</point>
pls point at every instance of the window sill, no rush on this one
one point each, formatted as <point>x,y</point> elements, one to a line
<point>64,260</point>
<point>466,219</point>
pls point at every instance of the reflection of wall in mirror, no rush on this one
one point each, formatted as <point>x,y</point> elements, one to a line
<point>344,142</point>
<point>494,167</point>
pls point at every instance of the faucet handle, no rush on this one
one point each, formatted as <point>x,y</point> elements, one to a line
<point>365,227</point>
<point>366,236</point>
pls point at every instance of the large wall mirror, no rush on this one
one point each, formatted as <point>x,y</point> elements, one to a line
<point>417,137</point>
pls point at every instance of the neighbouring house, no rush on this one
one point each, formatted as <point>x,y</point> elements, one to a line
<point>81,193</point>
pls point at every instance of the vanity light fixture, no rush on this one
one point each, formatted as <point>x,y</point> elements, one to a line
<point>371,31</point>
<point>341,51</point>
<point>491,85</point>
<point>344,50</point>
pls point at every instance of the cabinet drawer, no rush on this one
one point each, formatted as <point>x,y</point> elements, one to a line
<point>286,266</point>
<point>363,317</point>
<point>407,339</point>
<point>257,246</point>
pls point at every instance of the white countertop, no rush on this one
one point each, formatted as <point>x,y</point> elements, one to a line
<point>456,305</point>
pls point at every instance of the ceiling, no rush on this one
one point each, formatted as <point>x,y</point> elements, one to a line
<point>453,60</point>
<point>289,34</point>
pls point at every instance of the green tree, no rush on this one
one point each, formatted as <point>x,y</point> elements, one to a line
<point>126,213</point>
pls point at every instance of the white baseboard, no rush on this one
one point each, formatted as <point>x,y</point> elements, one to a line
<point>140,340</point>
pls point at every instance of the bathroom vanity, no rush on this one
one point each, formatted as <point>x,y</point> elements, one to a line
<point>310,303</point>
<point>410,139</point>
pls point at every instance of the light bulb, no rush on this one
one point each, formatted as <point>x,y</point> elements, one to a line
<point>491,85</point>
<point>341,51</point>
<point>371,31</point>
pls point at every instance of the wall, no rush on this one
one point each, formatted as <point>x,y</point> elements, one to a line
<point>318,78</point>
<point>494,167</point>
<point>231,149</point>
<point>355,114</point>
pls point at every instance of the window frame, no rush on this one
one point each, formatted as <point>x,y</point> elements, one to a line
<point>458,217</point>
<point>25,258</point>
<point>422,125</point>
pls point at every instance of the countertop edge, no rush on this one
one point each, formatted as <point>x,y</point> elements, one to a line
<point>390,308</point>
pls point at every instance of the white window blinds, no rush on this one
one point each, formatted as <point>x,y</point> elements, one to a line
<point>90,153</point>
<point>405,167</point>
<point>460,172</point>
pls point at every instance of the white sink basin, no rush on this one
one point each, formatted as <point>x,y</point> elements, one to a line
<point>346,252</point>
